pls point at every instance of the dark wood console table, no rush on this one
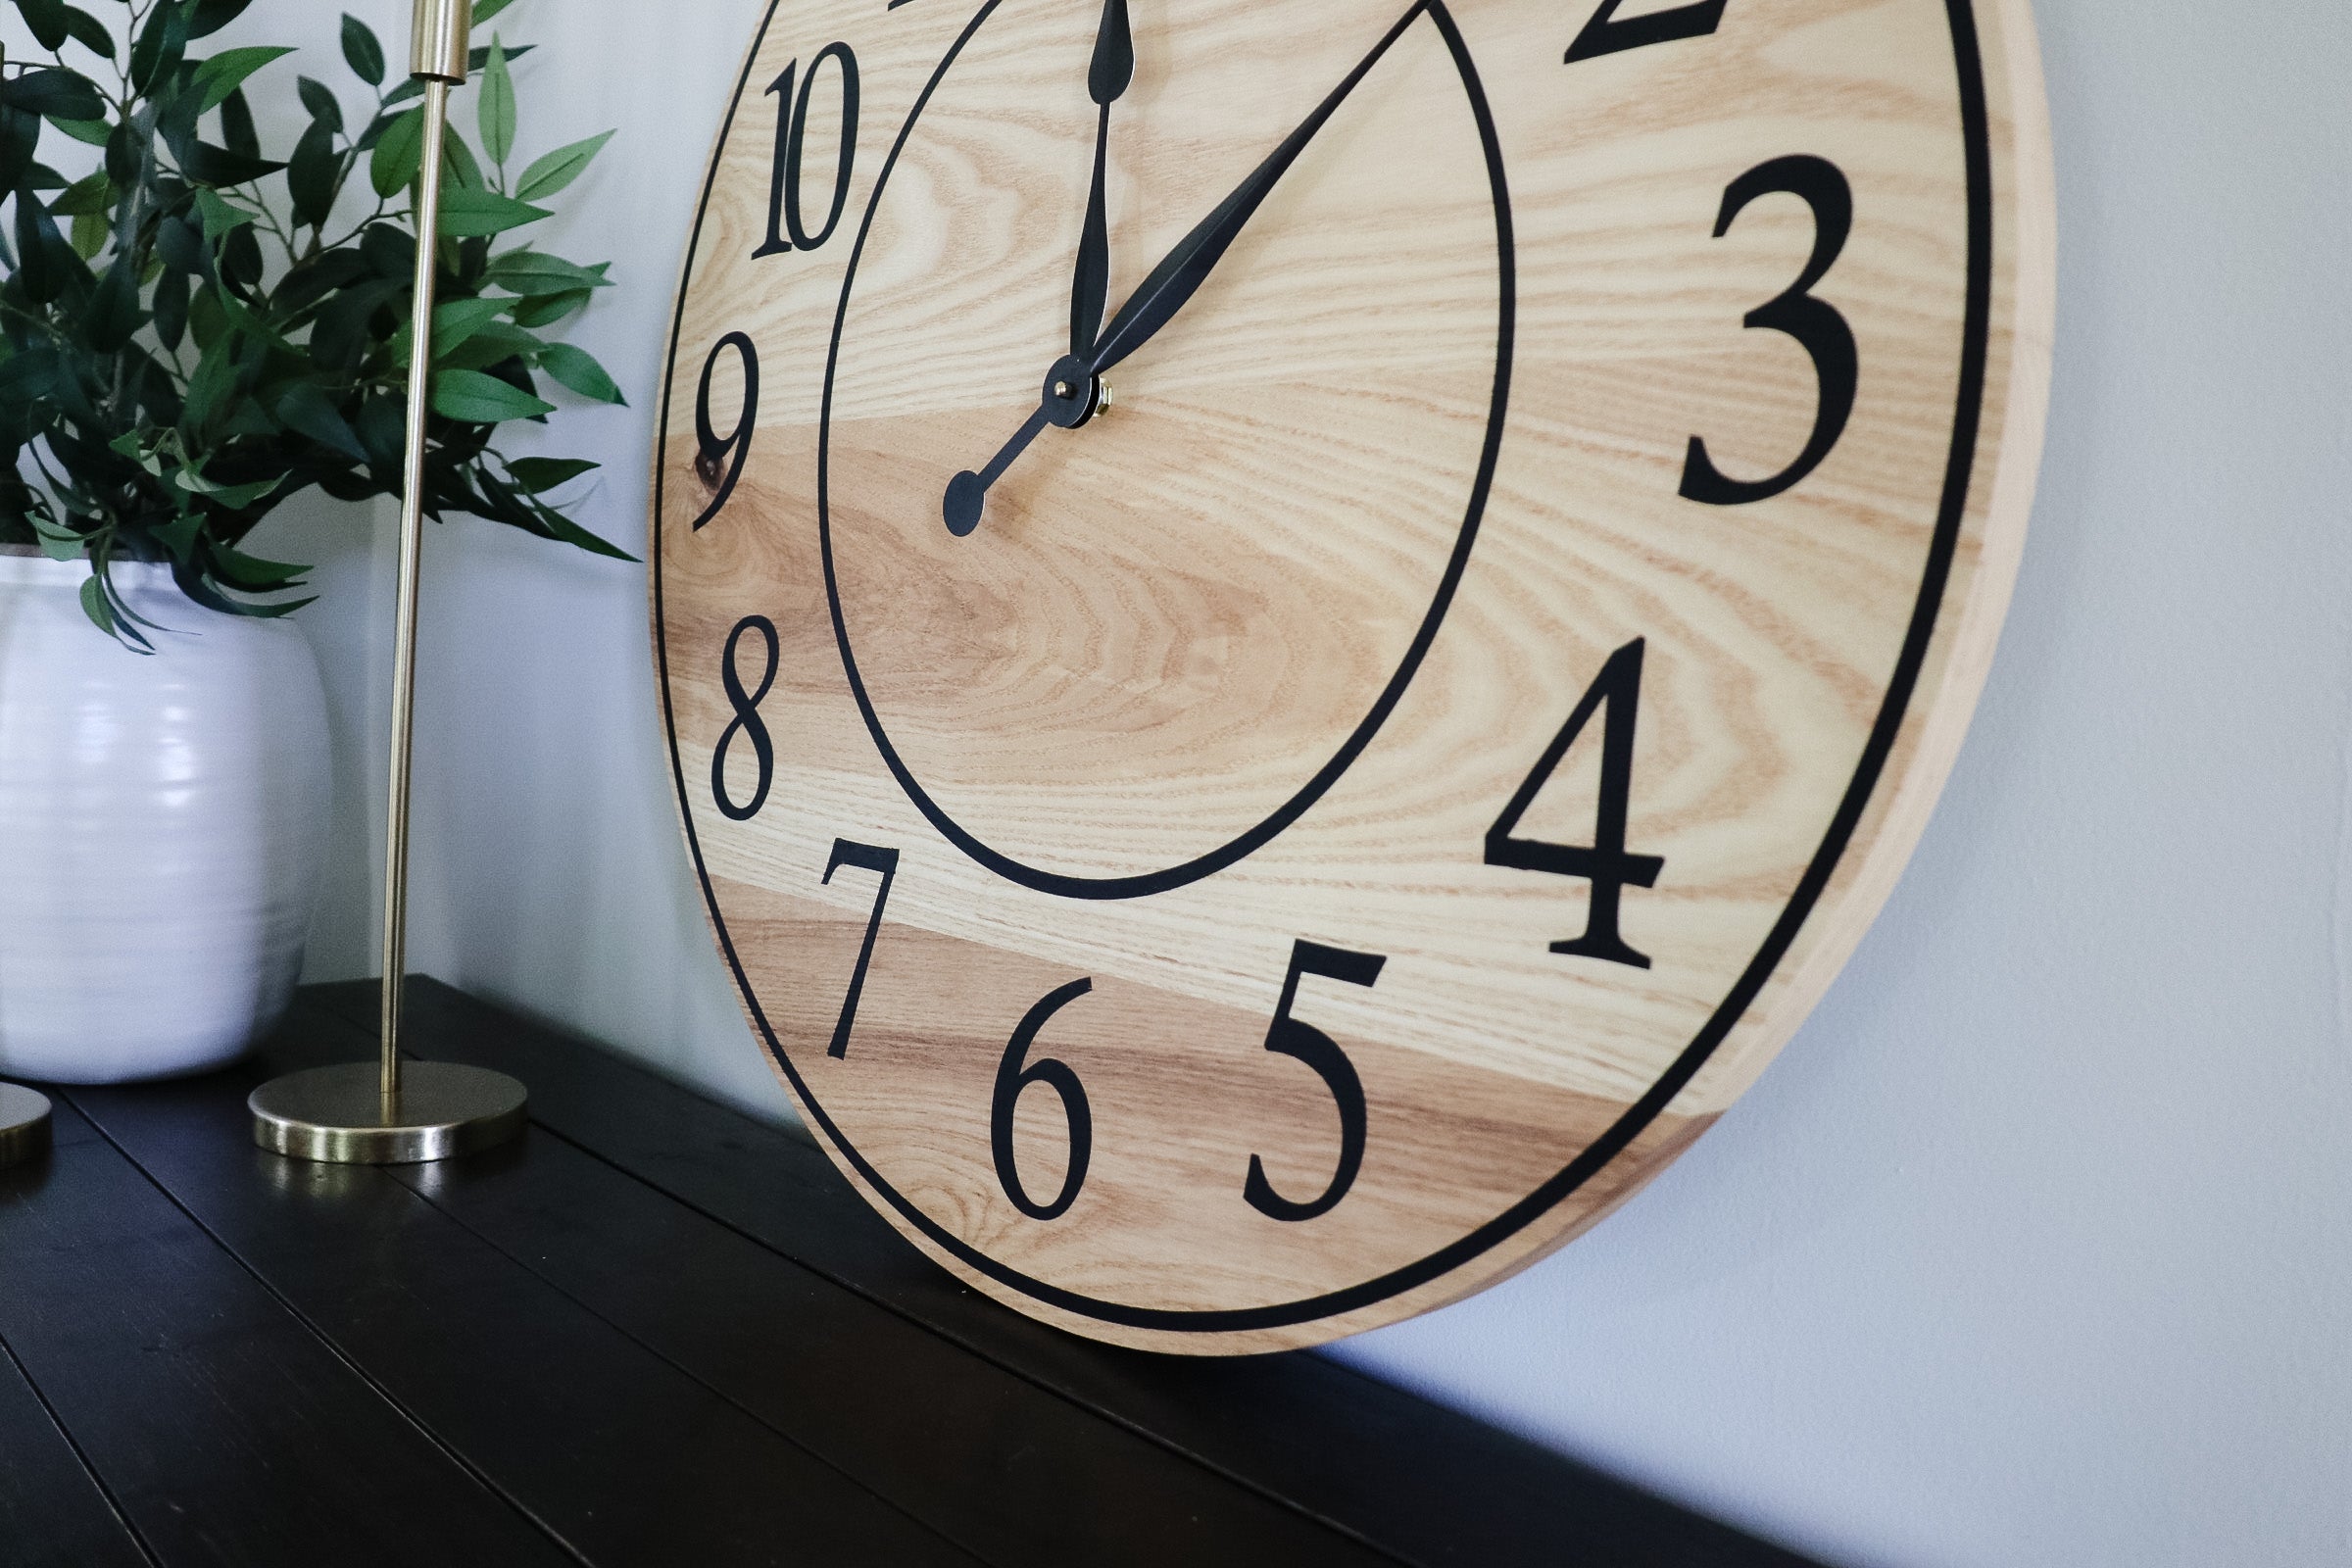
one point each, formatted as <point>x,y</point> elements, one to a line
<point>652,1332</point>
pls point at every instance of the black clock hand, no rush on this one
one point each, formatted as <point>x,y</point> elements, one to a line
<point>1106,79</point>
<point>1070,396</point>
<point>1073,387</point>
<point>1183,271</point>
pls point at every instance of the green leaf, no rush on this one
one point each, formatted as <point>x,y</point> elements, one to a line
<point>252,573</point>
<point>160,46</point>
<point>234,497</point>
<point>55,93</point>
<point>170,304</point>
<point>559,169</point>
<point>58,544</point>
<point>488,9</point>
<point>93,131</point>
<point>546,310</point>
<point>113,313</point>
<point>535,272</point>
<point>237,132</point>
<point>215,380</point>
<point>320,100</point>
<point>211,15</point>
<point>220,215</point>
<point>492,346</point>
<point>475,398</point>
<point>307,410</point>
<point>227,71</point>
<point>47,20</point>
<point>362,51</point>
<point>88,194</point>
<point>180,534</point>
<point>465,213</point>
<point>89,234</point>
<point>314,175</point>
<point>125,155</point>
<point>453,323</point>
<point>459,159</point>
<point>497,105</point>
<point>45,264</point>
<point>207,165</point>
<point>89,33</point>
<point>577,370</point>
<point>536,475</point>
<point>399,155</point>
<point>571,533</point>
<point>20,137</point>
<point>95,604</point>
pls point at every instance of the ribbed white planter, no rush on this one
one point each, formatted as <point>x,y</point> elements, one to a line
<point>163,820</point>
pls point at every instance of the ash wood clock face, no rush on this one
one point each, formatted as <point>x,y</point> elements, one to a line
<point>1296,636</point>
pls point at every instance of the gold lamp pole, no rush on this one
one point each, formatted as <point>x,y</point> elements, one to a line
<point>391,1112</point>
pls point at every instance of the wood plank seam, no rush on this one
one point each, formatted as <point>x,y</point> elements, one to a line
<point>686,1372</point>
<point>114,1504</point>
<point>1155,1439</point>
<point>1124,1422</point>
<point>398,1406</point>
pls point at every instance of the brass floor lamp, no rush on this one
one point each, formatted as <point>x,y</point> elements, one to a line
<point>391,1112</point>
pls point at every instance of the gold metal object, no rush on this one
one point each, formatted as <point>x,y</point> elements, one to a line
<point>437,47</point>
<point>399,1113</point>
<point>411,550</point>
<point>24,1125</point>
<point>339,1115</point>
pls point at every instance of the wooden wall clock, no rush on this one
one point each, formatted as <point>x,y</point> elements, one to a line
<point>1297,634</point>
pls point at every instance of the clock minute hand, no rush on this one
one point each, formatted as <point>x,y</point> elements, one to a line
<point>1106,79</point>
<point>1181,272</point>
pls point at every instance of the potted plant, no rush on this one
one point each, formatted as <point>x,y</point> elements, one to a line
<point>192,332</point>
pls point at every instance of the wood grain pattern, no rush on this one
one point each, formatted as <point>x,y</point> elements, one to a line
<point>1175,617</point>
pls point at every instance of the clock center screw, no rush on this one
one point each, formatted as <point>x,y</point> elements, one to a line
<point>1072,396</point>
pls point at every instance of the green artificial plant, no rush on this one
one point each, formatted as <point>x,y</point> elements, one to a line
<point>192,332</point>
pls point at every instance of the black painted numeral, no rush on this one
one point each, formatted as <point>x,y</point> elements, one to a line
<point>1813,323</point>
<point>1607,33</point>
<point>1014,1075</point>
<point>1292,1037</point>
<point>747,721</point>
<point>884,864</point>
<point>1607,864</point>
<point>718,459</point>
<point>787,230</point>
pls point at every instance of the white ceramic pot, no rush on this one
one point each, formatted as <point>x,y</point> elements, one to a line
<point>163,823</point>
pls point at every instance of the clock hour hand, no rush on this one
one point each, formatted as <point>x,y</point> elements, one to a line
<point>1106,77</point>
<point>1071,397</point>
<point>1182,272</point>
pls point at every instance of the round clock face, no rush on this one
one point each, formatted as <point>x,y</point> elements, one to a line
<point>1296,636</point>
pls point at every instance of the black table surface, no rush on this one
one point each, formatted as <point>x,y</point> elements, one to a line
<point>652,1331</point>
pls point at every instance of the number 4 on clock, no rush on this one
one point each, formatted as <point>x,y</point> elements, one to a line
<point>1617,689</point>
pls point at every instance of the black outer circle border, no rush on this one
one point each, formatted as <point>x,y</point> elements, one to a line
<point>1959,468</point>
<point>1425,636</point>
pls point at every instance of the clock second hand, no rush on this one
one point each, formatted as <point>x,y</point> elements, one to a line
<point>1073,388</point>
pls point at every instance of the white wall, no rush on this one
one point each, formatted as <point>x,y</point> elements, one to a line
<point>2036,1248</point>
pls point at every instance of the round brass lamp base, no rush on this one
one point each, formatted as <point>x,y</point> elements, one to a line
<point>338,1116</point>
<point>24,1125</point>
